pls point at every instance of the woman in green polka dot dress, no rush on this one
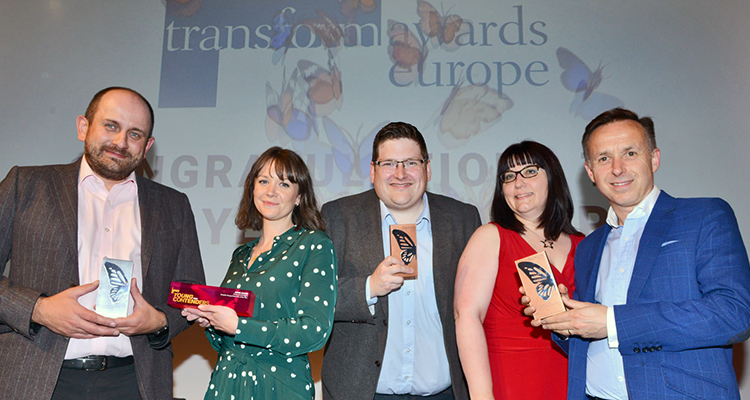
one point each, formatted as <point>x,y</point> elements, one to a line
<point>291,268</point>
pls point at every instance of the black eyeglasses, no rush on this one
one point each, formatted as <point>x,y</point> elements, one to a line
<point>391,165</point>
<point>530,171</point>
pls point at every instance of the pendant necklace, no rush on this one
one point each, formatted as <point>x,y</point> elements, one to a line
<point>546,242</point>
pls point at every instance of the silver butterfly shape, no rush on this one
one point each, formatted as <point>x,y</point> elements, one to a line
<point>117,281</point>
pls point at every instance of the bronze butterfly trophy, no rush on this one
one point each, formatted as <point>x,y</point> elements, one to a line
<point>540,286</point>
<point>404,246</point>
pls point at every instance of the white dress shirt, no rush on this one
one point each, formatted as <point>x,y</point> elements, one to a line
<point>109,225</point>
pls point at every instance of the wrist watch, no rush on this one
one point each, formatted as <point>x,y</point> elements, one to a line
<point>161,331</point>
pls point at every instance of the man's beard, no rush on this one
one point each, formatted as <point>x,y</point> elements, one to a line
<point>108,168</point>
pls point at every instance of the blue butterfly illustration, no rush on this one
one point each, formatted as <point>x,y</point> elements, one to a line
<point>407,246</point>
<point>541,277</point>
<point>117,281</point>
<point>282,37</point>
<point>352,155</point>
<point>286,115</point>
<point>579,79</point>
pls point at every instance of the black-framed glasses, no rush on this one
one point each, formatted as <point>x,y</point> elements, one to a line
<point>409,164</point>
<point>529,171</point>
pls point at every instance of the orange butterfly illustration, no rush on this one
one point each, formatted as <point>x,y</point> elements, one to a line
<point>405,51</point>
<point>325,86</point>
<point>469,110</point>
<point>349,7</point>
<point>326,28</point>
<point>436,26</point>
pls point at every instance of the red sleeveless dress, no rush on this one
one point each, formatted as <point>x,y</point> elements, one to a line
<point>524,361</point>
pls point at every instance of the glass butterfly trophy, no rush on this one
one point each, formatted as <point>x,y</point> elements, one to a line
<point>114,288</point>
<point>404,246</point>
<point>540,286</point>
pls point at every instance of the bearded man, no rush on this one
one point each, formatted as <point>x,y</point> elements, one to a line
<point>57,223</point>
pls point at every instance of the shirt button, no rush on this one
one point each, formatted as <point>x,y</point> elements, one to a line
<point>408,292</point>
<point>621,379</point>
<point>408,322</point>
<point>622,269</point>
<point>109,201</point>
<point>406,377</point>
<point>408,350</point>
<point>106,229</point>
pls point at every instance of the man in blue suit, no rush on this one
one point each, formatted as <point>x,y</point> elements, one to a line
<point>662,289</point>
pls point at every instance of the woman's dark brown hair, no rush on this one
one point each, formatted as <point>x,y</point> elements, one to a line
<point>289,166</point>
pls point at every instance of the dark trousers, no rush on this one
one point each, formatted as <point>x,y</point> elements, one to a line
<point>112,383</point>
<point>446,394</point>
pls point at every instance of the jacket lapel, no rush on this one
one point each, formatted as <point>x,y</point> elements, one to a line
<point>656,229</point>
<point>149,221</point>
<point>372,237</point>
<point>442,251</point>
<point>601,235</point>
<point>66,207</point>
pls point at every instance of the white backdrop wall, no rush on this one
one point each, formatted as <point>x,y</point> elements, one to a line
<point>219,102</point>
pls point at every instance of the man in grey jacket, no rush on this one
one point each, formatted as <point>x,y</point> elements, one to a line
<point>393,337</point>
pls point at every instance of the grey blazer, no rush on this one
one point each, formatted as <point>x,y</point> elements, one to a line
<point>39,235</point>
<point>353,356</point>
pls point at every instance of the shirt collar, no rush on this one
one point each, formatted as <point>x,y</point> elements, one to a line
<point>86,173</point>
<point>643,209</point>
<point>287,237</point>
<point>424,216</point>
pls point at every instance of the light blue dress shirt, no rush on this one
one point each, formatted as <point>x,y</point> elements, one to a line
<point>605,375</point>
<point>415,360</point>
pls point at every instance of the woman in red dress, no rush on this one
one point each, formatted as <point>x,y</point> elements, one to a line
<point>502,355</point>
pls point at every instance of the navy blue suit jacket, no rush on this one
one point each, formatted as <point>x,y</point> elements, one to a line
<point>688,302</point>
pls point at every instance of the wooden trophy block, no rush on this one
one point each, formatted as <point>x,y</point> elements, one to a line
<point>540,286</point>
<point>404,246</point>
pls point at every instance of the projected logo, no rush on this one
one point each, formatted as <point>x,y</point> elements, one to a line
<point>197,31</point>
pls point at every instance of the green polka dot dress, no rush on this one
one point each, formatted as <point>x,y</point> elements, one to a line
<point>295,294</point>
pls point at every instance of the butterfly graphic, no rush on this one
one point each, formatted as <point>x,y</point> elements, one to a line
<point>183,8</point>
<point>407,246</point>
<point>578,78</point>
<point>326,28</point>
<point>282,36</point>
<point>405,51</point>
<point>117,281</point>
<point>467,111</point>
<point>324,85</point>
<point>544,281</point>
<point>351,154</point>
<point>444,28</point>
<point>285,113</point>
<point>349,7</point>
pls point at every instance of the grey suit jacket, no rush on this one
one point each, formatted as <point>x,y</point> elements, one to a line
<point>39,235</point>
<point>353,356</point>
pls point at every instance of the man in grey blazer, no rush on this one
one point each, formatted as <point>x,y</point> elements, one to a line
<point>394,338</point>
<point>55,224</point>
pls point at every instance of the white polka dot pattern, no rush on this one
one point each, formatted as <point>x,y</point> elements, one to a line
<point>267,357</point>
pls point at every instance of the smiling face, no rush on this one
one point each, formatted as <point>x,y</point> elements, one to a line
<point>275,198</point>
<point>401,190</point>
<point>116,139</point>
<point>527,197</point>
<point>621,165</point>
